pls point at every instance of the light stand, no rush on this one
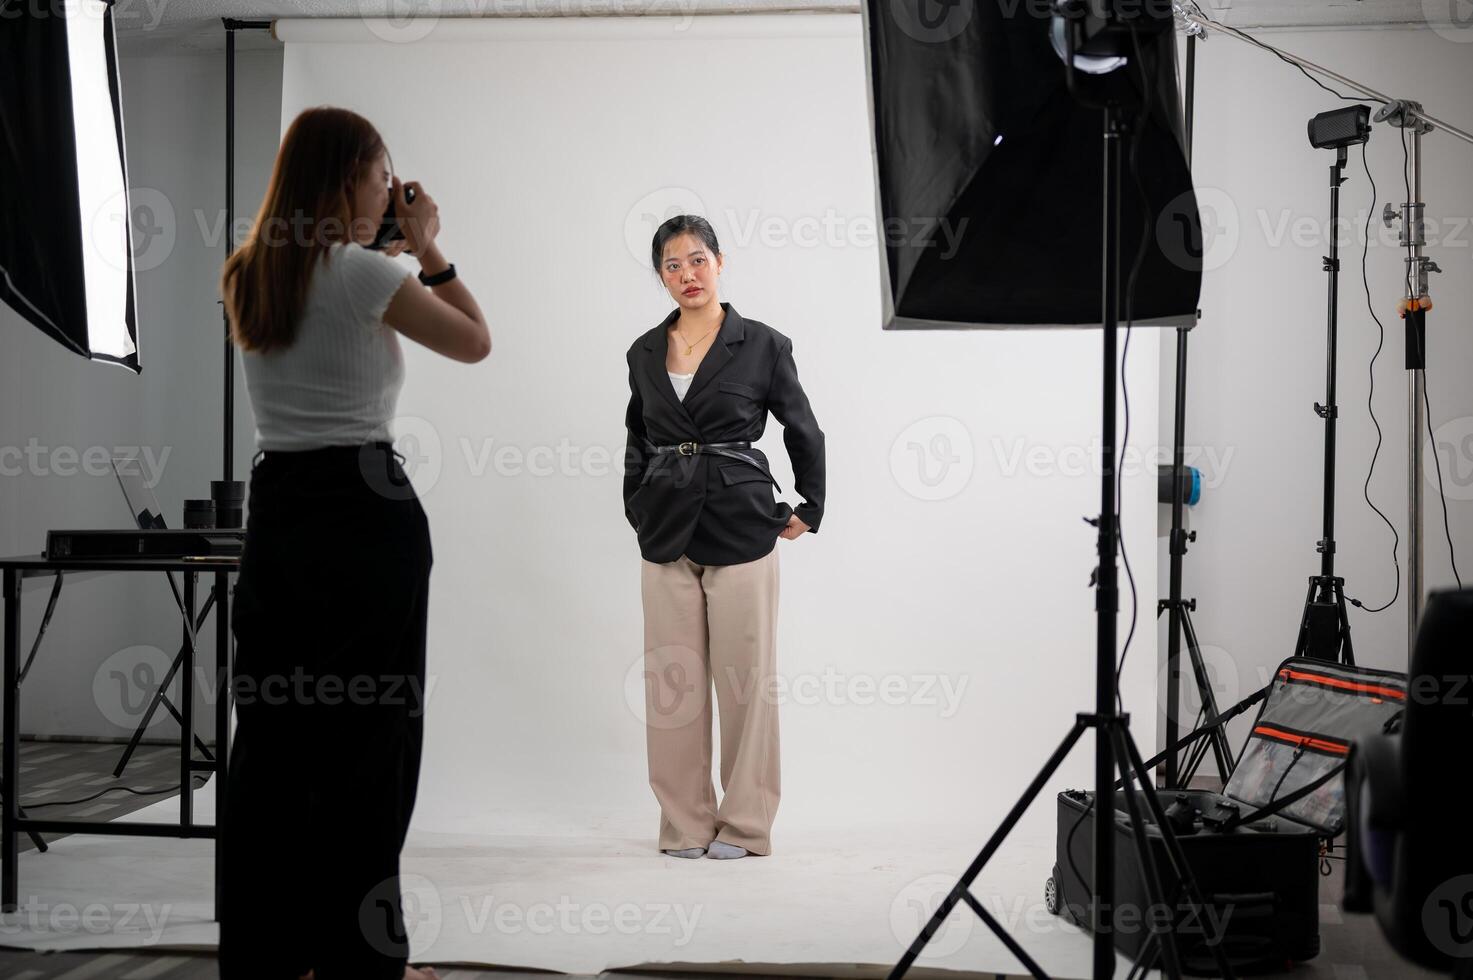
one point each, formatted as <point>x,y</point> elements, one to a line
<point>1178,610</point>
<point>223,683</point>
<point>1324,629</point>
<point>228,386</point>
<point>1115,750</point>
<point>1413,309</point>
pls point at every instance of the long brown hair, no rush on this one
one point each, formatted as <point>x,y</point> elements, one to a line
<point>308,206</point>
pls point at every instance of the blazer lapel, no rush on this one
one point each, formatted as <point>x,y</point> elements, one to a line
<point>732,331</point>
<point>654,364</point>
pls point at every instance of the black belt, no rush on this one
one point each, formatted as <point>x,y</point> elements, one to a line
<point>727,449</point>
<point>320,451</point>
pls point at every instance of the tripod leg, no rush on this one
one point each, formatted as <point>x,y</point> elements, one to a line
<point>1194,761</point>
<point>1174,620</point>
<point>980,861</point>
<point>997,929</point>
<point>1301,645</point>
<point>1221,750</point>
<point>1154,890</point>
<point>1347,652</point>
<point>1146,956</point>
<point>1179,860</point>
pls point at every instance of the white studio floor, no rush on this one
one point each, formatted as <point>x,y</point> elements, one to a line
<point>603,900</point>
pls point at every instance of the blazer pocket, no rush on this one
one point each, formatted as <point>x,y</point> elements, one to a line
<point>736,388</point>
<point>742,473</point>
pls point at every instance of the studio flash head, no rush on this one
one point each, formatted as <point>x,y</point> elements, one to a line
<point>1336,128</point>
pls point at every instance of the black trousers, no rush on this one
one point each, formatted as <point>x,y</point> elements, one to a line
<point>329,614</point>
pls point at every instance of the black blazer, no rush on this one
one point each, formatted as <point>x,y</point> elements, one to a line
<point>716,510</point>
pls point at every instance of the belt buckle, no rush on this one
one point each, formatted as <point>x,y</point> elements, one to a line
<point>687,448</point>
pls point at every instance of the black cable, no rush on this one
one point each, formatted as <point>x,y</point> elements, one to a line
<point>1442,494</point>
<point>1298,754</point>
<point>1147,93</point>
<point>1406,179</point>
<point>1243,35</point>
<point>1371,394</point>
<point>111,789</point>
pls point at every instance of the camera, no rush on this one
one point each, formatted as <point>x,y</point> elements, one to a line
<point>389,229</point>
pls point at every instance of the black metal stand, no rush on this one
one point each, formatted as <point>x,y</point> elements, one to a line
<point>1114,748</point>
<point>1180,627</point>
<point>231,25</point>
<point>227,664</point>
<point>1324,629</point>
<point>1179,611</point>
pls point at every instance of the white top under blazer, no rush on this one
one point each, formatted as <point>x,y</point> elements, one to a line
<point>339,381</point>
<point>681,383</point>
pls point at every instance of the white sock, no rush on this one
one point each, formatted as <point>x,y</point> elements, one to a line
<point>723,851</point>
<point>687,852</point>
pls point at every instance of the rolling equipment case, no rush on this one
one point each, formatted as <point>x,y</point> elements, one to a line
<point>1255,848</point>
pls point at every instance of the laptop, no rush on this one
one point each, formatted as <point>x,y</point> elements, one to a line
<point>142,504</point>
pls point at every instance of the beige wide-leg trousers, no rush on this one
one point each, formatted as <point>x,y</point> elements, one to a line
<point>705,625</point>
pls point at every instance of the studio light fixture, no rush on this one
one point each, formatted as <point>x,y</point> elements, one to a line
<point>66,257</point>
<point>1334,128</point>
<point>984,232</point>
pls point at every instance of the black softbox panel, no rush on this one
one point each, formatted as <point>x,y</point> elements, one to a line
<point>65,237</point>
<point>989,172</point>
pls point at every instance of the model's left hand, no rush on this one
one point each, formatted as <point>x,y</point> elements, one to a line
<point>395,247</point>
<point>795,527</point>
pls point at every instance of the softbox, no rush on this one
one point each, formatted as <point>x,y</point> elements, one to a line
<point>66,259</point>
<point>989,172</point>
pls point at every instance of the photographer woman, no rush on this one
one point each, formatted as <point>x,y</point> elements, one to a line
<point>700,498</point>
<point>331,599</point>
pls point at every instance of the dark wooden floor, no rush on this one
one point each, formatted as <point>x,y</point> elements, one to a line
<point>56,776</point>
<point>137,966</point>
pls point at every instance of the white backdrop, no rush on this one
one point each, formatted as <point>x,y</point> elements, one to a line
<point>936,636</point>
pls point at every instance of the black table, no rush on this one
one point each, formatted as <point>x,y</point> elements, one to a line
<point>18,572</point>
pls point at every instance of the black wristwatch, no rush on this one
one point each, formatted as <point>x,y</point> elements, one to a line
<point>439,277</point>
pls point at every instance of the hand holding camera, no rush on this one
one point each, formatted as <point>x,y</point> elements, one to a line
<point>419,216</point>
<point>411,222</point>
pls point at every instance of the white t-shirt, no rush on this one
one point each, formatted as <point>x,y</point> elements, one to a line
<point>338,382</point>
<point>681,383</point>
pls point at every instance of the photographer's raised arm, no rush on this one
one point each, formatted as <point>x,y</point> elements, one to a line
<point>444,318</point>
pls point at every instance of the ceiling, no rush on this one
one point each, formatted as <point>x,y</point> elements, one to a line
<point>183,25</point>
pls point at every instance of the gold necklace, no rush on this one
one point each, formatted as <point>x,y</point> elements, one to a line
<point>691,346</point>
